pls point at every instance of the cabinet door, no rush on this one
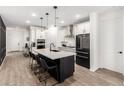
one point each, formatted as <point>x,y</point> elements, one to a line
<point>2,38</point>
<point>40,34</point>
<point>0,45</point>
<point>83,28</point>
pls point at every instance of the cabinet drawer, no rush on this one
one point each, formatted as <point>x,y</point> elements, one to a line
<point>84,57</point>
<point>83,53</point>
<point>83,61</point>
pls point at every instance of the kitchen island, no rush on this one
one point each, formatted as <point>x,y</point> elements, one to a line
<point>64,61</point>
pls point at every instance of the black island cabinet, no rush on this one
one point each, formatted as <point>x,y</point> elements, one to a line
<point>65,67</point>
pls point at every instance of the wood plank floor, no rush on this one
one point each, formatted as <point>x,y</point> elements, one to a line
<point>16,72</point>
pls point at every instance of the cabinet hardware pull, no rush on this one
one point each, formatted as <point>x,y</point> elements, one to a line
<point>82,52</point>
<point>82,56</point>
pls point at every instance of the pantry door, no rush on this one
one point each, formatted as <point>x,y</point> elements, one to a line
<point>14,40</point>
<point>111,41</point>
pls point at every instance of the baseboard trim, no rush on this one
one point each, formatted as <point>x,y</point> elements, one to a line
<point>3,63</point>
<point>93,69</point>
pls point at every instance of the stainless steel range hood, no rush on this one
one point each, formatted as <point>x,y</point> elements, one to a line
<point>71,34</point>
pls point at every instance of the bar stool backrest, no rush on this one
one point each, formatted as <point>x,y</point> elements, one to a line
<point>44,64</point>
<point>38,60</point>
<point>34,56</point>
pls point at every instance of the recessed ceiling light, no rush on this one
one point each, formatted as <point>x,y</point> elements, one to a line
<point>33,14</point>
<point>28,22</point>
<point>62,22</point>
<point>77,16</point>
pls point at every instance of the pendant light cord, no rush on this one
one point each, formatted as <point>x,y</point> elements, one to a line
<point>55,17</point>
<point>55,7</point>
<point>47,14</point>
<point>41,22</point>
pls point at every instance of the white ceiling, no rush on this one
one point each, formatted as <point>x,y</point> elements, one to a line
<point>17,15</point>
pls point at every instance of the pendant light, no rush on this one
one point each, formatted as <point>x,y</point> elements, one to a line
<point>47,14</point>
<point>55,8</point>
<point>41,23</point>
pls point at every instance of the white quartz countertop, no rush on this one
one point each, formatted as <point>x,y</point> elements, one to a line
<point>53,55</point>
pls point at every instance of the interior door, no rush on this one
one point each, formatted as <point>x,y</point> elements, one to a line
<point>111,42</point>
<point>118,46</point>
<point>14,40</point>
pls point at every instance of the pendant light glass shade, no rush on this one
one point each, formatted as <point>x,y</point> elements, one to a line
<point>41,23</point>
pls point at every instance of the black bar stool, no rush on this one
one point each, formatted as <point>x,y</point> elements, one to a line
<point>34,59</point>
<point>46,68</point>
<point>38,67</point>
<point>30,58</point>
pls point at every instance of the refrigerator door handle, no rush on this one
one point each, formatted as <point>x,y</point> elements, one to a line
<point>82,56</point>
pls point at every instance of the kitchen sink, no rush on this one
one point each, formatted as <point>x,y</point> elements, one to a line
<point>55,50</point>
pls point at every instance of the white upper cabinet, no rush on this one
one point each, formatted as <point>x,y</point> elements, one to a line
<point>36,33</point>
<point>67,30</point>
<point>82,28</point>
<point>40,34</point>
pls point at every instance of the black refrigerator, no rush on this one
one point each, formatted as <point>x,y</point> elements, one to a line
<point>83,50</point>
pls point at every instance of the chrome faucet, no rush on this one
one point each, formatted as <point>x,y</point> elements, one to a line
<point>51,46</point>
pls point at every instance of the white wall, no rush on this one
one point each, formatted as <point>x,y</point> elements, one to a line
<point>32,34</point>
<point>110,39</point>
<point>60,36</point>
<point>26,35</point>
<point>16,38</point>
<point>51,36</point>
<point>94,55</point>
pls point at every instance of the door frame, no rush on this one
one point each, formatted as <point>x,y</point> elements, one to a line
<point>123,39</point>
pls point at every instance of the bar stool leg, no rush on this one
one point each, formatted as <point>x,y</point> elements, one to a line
<point>30,62</point>
<point>45,82</point>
